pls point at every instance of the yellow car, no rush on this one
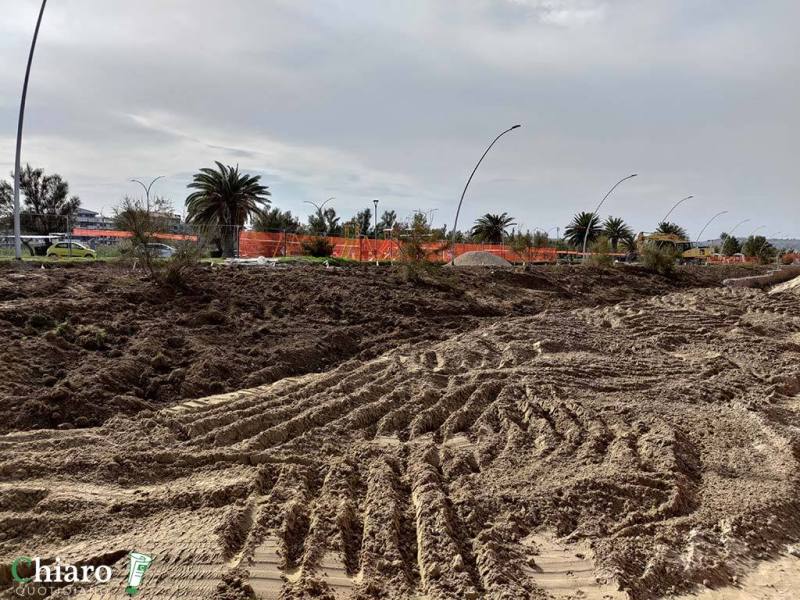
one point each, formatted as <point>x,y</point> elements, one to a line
<point>63,250</point>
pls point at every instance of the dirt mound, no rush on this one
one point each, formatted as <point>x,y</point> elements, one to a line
<point>478,258</point>
<point>627,450</point>
<point>83,344</point>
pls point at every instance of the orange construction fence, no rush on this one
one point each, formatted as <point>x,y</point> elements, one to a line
<point>116,233</point>
<point>274,244</point>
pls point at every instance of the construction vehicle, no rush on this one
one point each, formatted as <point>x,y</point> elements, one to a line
<point>685,252</point>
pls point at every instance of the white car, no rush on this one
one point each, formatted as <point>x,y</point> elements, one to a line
<point>160,250</point>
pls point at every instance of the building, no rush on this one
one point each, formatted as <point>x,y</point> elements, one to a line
<point>89,219</point>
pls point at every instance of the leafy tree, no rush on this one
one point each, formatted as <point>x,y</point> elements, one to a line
<point>48,207</point>
<point>615,229</point>
<point>276,220</point>
<point>541,239</point>
<point>363,222</point>
<point>758,247</point>
<point>325,222</point>
<point>491,228</point>
<point>730,245</point>
<point>388,220</point>
<point>671,228</point>
<point>522,244</point>
<point>582,222</point>
<point>628,243</point>
<point>6,199</point>
<point>223,200</point>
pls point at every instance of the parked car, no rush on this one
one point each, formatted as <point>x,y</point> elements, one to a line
<point>158,250</point>
<point>70,249</point>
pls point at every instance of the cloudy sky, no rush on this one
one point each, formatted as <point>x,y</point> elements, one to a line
<point>397,100</point>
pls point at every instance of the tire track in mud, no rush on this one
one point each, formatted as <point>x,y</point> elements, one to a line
<point>427,472</point>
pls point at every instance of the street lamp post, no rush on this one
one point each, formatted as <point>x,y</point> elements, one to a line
<point>377,262</point>
<point>147,189</point>
<point>730,234</point>
<point>17,158</point>
<point>319,208</point>
<point>752,233</point>
<point>719,214</point>
<point>597,210</point>
<point>678,203</point>
<point>458,210</point>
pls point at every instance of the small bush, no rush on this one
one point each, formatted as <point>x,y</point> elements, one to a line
<point>317,247</point>
<point>600,253</point>
<point>658,260</point>
<point>177,269</point>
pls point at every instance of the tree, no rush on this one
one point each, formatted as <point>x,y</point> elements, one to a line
<point>223,200</point>
<point>276,220</point>
<point>541,239</point>
<point>758,247</point>
<point>363,222</point>
<point>671,228</point>
<point>730,245</point>
<point>48,206</point>
<point>491,228</point>
<point>388,220</point>
<point>522,244</point>
<point>615,229</point>
<point>6,199</point>
<point>325,222</point>
<point>576,230</point>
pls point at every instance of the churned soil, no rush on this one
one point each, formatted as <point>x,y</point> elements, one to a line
<point>82,344</point>
<point>563,433</point>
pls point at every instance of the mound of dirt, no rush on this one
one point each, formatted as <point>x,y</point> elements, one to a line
<point>480,259</point>
<point>631,449</point>
<point>83,344</point>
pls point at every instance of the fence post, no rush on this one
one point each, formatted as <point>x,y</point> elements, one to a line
<point>284,243</point>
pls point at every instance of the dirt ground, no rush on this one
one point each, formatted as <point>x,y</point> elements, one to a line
<point>83,344</point>
<point>566,433</point>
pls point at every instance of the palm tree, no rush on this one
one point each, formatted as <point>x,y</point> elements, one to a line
<point>577,229</point>
<point>492,228</point>
<point>615,229</point>
<point>671,228</point>
<point>223,202</point>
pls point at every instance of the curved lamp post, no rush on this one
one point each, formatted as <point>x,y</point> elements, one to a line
<point>752,233</point>
<point>719,214</point>
<point>730,234</point>
<point>596,211</point>
<point>676,205</point>
<point>458,210</point>
<point>147,188</point>
<point>319,208</point>
<point>17,227</point>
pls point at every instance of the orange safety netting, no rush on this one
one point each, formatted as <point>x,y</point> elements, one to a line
<point>116,233</point>
<point>256,243</point>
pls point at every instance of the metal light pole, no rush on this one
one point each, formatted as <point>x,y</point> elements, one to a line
<point>719,214</point>
<point>377,262</point>
<point>678,203</point>
<point>752,233</point>
<point>17,166</point>
<point>319,208</point>
<point>730,234</point>
<point>597,210</point>
<point>458,210</point>
<point>147,188</point>
<point>766,241</point>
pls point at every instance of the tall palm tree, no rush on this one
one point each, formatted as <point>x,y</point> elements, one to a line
<point>577,229</point>
<point>616,230</point>
<point>671,228</point>
<point>223,200</point>
<point>492,228</point>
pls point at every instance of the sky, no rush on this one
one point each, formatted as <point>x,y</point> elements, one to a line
<point>396,101</point>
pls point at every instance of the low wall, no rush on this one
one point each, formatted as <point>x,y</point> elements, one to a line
<point>761,281</point>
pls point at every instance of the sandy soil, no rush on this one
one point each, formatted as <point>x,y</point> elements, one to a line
<point>604,447</point>
<point>82,344</point>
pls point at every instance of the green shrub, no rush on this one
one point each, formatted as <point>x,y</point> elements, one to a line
<point>318,247</point>
<point>658,260</point>
<point>600,253</point>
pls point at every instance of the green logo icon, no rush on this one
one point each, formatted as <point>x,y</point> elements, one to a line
<point>139,564</point>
